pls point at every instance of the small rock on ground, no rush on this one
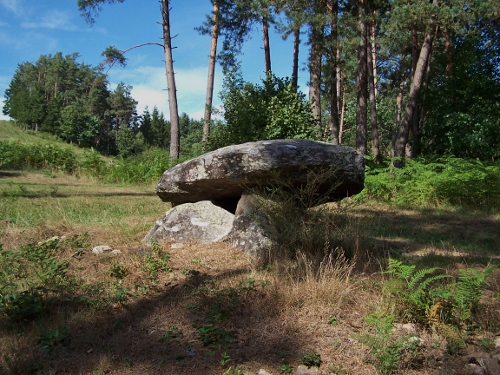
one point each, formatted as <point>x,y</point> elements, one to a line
<point>304,370</point>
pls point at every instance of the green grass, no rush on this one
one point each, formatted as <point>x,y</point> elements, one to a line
<point>10,132</point>
<point>34,200</point>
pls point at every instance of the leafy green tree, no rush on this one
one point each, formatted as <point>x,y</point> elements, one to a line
<point>463,116</point>
<point>160,129</point>
<point>145,127</point>
<point>272,110</point>
<point>191,136</point>
<point>39,93</point>
<point>129,142</point>
<point>78,125</point>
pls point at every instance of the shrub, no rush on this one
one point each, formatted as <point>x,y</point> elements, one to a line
<point>37,156</point>
<point>302,222</point>
<point>450,181</point>
<point>271,110</point>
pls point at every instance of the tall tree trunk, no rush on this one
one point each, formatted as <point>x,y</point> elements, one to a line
<point>414,60</point>
<point>373,45</point>
<point>361,82</point>
<point>172,91</point>
<point>339,79</point>
<point>373,105</point>
<point>448,47</point>
<point>296,45</point>
<point>342,116</point>
<point>211,75</point>
<point>265,37</point>
<point>397,116</point>
<point>416,84</point>
<point>417,126</point>
<point>317,35</point>
<point>334,107</point>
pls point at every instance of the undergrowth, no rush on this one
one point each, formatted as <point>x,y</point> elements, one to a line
<point>302,222</point>
<point>432,300</point>
<point>445,181</point>
<point>145,168</point>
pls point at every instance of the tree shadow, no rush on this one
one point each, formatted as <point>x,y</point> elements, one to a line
<point>6,174</point>
<point>420,232</point>
<point>133,337</point>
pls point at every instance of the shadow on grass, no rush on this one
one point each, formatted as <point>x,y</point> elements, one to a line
<point>54,194</point>
<point>448,234</point>
<point>127,339</point>
<point>6,174</point>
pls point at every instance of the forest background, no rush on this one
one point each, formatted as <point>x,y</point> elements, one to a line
<point>391,78</point>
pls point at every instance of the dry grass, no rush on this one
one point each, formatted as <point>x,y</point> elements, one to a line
<point>260,317</point>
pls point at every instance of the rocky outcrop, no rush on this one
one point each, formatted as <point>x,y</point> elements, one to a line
<point>221,176</point>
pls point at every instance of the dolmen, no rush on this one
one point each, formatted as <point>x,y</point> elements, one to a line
<point>214,198</point>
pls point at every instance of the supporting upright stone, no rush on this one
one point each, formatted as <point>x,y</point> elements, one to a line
<point>251,228</point>
<point>199,222</point>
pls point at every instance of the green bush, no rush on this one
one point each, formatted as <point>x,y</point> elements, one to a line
<point>37,156</point>
<point>144,168</point>
<point>271,110</point>
<point>450,181</point>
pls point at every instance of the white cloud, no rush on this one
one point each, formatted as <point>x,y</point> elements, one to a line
<point>4,83</point>
<point>25,41</point>
<point>13,5</point>
<point>2,116</point>
<point>54,19</point>
<point>149,88</point>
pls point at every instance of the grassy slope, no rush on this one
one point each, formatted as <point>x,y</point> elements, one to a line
<point>10,132</point>
<point>213,295</point>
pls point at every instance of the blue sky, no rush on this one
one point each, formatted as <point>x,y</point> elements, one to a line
<point>30,28</point>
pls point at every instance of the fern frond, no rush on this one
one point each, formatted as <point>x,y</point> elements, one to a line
<point>420,274</point>
<point>398,269</point>
<point>470,281</point>
<point>424,284</point>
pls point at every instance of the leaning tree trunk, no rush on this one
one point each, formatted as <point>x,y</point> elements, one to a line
<point>265,37</point>
<point>211,75</point>
<point>361,83</point>
<point>172,91</point>
<point>416,149</point>
<point>416,84</point>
